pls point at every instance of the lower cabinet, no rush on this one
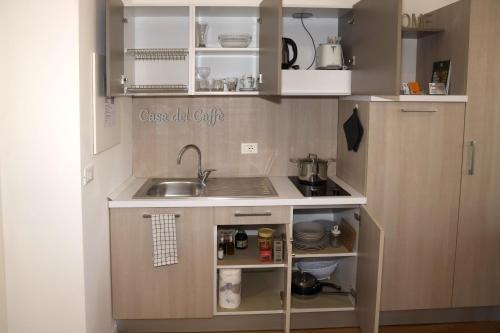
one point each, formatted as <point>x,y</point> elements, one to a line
<point>190,288</point>
<point>182,290</point>
<point>411,156</point>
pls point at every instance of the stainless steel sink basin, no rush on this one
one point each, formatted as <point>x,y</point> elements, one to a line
<point>175,189</point>
<point>236,187</point>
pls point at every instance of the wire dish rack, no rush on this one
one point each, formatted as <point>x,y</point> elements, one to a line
<point>157,89</point>
<point>158,54</point>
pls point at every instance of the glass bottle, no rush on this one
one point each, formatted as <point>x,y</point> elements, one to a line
<point>220,250</point>
<point>241,239</point>
<point>230,246</point>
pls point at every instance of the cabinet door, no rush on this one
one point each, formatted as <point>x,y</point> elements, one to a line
<point>183,290</point>
<point>413,188</point>
<point>271,23</point>
<point>369,273</point>
<point>376,45</point>
<point>114,47</point>
<point>477,270</point>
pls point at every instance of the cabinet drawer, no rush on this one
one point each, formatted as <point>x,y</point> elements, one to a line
<point>252,215</point>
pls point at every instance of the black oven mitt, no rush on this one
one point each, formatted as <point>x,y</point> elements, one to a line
<point>353,131</point>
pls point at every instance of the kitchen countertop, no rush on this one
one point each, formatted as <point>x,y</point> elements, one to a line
<point>288,195</point>
<point>411,98</point>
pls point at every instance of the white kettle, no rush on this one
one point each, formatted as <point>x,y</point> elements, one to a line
<point>329,55</point>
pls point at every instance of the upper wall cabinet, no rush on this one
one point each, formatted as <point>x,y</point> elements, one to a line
<point>166,48</point>
<point>374,46</point>
<point>114,47</point>
<point>154,47</point>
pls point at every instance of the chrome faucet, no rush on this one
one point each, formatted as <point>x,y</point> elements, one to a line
<point>202,174</point>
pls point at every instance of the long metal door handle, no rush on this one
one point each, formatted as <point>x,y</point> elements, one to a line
<point>252,214</point>
<point>418,110</point>
<point>472,161</point>
<point>148,216</point>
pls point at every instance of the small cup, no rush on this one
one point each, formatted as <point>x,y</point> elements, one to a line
<point>247,82</point>
<point>231,83</point>
<point>217,85</point>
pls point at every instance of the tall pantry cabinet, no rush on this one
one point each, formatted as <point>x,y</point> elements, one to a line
<point>431,173</point>
<point>477,268</point>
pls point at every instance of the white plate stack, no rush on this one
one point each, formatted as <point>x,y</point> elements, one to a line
<point>310,236</point>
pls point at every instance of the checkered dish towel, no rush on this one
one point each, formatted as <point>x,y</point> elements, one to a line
<point>164,239</point>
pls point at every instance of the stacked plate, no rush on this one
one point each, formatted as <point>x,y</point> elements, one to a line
<point>309,236</point>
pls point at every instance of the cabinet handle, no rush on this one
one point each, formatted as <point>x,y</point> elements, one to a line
<point>252,214</point>
<point>418,110</point>
<point>148,216</point>
<point>472,162</point>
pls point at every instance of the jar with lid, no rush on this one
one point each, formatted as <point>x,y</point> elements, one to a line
<point>335,237</point>
<point>265,244</point>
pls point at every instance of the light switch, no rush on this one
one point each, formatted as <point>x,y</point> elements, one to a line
<point>88,175</point>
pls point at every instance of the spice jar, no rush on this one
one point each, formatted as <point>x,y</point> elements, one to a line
<point>335,239</point>
<point>265,244</point>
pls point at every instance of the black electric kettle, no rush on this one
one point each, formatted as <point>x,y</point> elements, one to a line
<point>286,62</point>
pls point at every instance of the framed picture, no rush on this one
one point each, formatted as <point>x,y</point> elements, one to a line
<point>441,74</point>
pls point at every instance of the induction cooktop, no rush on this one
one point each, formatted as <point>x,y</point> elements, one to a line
<point>326,189</point>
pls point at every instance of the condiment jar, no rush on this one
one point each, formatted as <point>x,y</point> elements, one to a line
<point>335,239</point>
<point>265,244</point>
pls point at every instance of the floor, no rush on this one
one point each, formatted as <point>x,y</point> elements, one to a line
<point>487,327</point>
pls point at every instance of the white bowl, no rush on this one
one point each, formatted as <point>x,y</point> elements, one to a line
<point>235,40</point>
<point>322,270</point>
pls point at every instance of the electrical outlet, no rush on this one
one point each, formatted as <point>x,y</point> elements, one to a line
<point>88,175</point>
<point>249,148</point>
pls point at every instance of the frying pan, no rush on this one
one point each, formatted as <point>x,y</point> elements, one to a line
<point>306,284</point>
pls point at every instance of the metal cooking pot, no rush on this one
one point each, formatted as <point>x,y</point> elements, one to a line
<point>312,170</point>
<point>305,284</point>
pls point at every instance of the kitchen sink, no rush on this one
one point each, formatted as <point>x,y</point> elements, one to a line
<point>183,188</point>
<point>234,187</point>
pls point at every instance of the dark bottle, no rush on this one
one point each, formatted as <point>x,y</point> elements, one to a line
<point>241,240</point>
<point>230,246</point>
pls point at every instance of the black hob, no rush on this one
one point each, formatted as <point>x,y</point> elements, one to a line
<point>327,189</point>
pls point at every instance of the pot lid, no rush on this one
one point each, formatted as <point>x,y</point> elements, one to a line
<point>312,158</point>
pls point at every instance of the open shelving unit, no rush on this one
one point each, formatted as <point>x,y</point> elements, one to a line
<point>224,62</point>
<point>156,62</point>
<point>345,273</point>
<point>263,284</point>
<point>328,252</point>
<point>160,53</point>
<point>261,293</point>
<point>247,258</point>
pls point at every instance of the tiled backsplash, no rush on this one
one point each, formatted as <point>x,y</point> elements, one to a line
<point>284,129</point>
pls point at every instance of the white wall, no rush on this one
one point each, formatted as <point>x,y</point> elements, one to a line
<point>40,168</point>
<point>112,168</point>
<point>3,297</point>
<point>424,6</point>
<point>3,87</point>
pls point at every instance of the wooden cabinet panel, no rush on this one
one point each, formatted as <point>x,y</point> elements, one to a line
<point>477,270</point>
<point>351,166</point>
<point>376,45</point>
<point>183,290</point>
<point>114,47</point>
<point>271,25</point>
<point>369,273</point>
<point>413,188</point>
